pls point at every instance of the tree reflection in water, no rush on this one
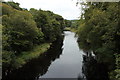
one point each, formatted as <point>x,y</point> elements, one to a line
<point>37,67</point>
<point>92,69</point>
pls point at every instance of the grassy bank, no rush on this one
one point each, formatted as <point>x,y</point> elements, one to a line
<point>22,59</point>
<point>70,29</point>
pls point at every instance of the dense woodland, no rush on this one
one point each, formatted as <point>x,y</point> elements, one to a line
<point>24,30</point>
<point>98,31</point>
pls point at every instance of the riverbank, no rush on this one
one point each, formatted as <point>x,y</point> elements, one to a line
<point>25,57</point>
<point>70,29</point>
<point>37,66</point>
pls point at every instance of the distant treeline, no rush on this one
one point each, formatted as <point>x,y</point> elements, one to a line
<point>99,31</point>
<point>72,23</point>
<point>22,30</point>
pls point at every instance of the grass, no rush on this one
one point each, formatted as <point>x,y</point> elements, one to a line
<point>27,56</point>
<point>67,29</point>
<point>73,30</point>
<point>70,29</point>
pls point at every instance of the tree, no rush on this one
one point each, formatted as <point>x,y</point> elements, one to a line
<point>21,30</point>
<point>51,24</point>
<point>13,5</point>
<point>99,31</point>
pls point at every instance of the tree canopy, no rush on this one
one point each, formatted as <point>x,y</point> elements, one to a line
<point>99,31</point>
<point>22,30</point>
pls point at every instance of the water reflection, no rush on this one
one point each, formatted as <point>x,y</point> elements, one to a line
<point>92,69</point>
<point>37,67</point>
<point>73,64</point>
<point>70,63</point>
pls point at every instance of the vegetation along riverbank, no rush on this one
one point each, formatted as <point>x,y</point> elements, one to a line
<point>27,33</point>
<point>99,31</point>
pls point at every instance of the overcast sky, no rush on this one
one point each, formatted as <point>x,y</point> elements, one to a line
<point>65,8</point>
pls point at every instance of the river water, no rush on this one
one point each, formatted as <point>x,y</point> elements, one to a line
<point>69,65</point>
<point>64,60</point>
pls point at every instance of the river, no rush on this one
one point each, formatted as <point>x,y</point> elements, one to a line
<point>63,60</point>
<point>69,65</point>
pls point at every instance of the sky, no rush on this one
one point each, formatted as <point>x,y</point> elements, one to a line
<point>66,8</point>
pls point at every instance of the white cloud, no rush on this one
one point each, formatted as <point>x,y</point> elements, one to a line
<point>65,8</point>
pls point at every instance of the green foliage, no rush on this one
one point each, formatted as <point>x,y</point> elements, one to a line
<point>7,57</point>
<point>25,56</point>
<point>74,24</point>
<point>7,10</point>
<point>117,60</point>
<point>99,31</point>
<point>71,25</point>
<point>68,23</point>
<point>19,33</point>
<point>22,30</point>
<point>13,5</point>
<point>51,24</point>
<point>26,34</point>
<point>115,74</point>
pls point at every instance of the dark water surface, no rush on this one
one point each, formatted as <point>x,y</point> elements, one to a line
<point>63,60</point>
<point>69,65</point>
